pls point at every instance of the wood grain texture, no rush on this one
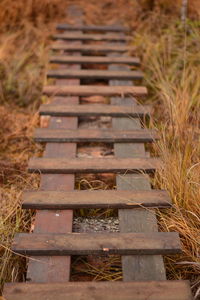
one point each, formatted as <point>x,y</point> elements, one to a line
<point>92,90</point>
<point>56,268</point>
<point>94,74</point>
<point>151,290</point>
<point>47,135</point>
<point>90,37</point>
<point>141,220</point>
<point>59,165</point>
<point>111,28</point>
<point>90,110</point>
<point>95,199</point>
<point>97,244</point>
<point>91,48</point>
<point>68,59</point>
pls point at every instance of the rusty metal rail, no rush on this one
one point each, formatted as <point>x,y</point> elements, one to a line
<point>53,243</point>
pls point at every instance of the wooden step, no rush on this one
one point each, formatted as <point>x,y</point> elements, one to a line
<point>90,37</point>
<point>95,199</point>
<point>93,165</point>
<point>97,244</point>
<point>90,110</point>
<point>151,290</point>
<point>69,59</point>
<point>48,135</point>
<point>94,74</point>
<point>111,28</point>
<point>91,48</point>
<point>91,90</point>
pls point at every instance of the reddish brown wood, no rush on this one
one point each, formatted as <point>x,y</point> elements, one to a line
<point>90,37</point>
<point>48,269</point>
<point>147,290</point>
<point>89,110</point>
<point>53,269</point>
<point>97,243</point>
<point>68,59</point>
<point>95,74</point>
<point>95,199</point>
<point>84,90</point>
<point>95,165</point>
<point>111,28</point>
<point>91,48</point>
<point>47,135</point>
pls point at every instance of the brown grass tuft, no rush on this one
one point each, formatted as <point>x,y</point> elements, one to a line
<point>171,60</point>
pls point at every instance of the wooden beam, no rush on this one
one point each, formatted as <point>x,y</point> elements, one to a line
<point>151,290</point>
<point>137,267</point>
<point>68,59</point>
<point>91,90</point>
<point>90,110</point>
<point>97,244</point>
<point>94,74</point>
<point>47,135</point>
<point>95,165</point>
<point>91,48</point>
<point>111,28</point>
<point>48,268</point>
<point>95,199</point>
<point>90,37</point>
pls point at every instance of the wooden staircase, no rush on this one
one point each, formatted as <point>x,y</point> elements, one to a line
<point>53,243</point>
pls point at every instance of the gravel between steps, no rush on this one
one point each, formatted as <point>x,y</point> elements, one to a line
<point>81,224</point>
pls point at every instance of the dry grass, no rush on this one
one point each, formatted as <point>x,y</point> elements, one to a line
<point>171,63</point>
<point>15,15</point>
<point>97,268</point>
<point>16,146</point>
<point>23,56</point>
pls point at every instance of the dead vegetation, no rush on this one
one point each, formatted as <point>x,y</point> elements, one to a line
<point>170,55</point>
<point>172,63</point>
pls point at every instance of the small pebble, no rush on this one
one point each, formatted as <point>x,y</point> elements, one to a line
<point>81,224</point>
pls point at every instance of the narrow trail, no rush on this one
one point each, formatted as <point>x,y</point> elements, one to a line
<point>96,127</point>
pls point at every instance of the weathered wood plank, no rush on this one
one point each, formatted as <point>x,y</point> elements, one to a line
<point>56,268</point>
<point>142,220</point>
<point>94,165</point>
<point>151,290</point>
<point>95,199</point>
<point>90,110</point>
<point>91,90</point>
<point>135,268</point>
<point>97,244</point>
<point>68,59</point>
<point>91,48</point>
<point>90,37</point>
<point>47,135</point>
<point>111,28</point>
<point>94,74</point>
